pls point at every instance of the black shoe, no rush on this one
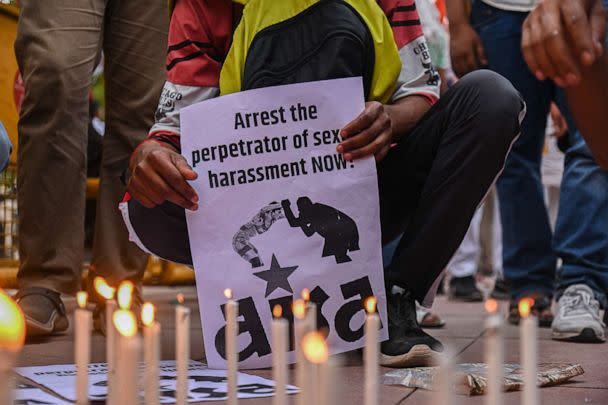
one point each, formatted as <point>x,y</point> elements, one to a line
<point>43,310</point>
<point>407,345</point>
<point>464,289</point>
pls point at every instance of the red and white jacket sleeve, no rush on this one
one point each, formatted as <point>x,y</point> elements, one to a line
<point>418,76</point>
<point>199,39</point>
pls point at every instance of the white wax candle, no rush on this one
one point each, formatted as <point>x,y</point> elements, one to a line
<point>444,380</point>
<point>494,359</point>
<point>127,364</point>
<point>111,341</point>
<point>327,383</point>
<point>7,381</point>
<point>152,363</point>
<point>182,352</point>
<point>82,346</point>
<point>280,341</point>
<point>528,340</point>
<point>302,366</point>
<point>232,310</point>
<point>371,354</point>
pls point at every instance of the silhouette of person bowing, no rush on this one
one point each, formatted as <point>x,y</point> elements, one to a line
<point>338,229</point>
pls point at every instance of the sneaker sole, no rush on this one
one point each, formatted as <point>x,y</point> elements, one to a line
<point>418,356</point>
<point>56,324</point>
<point>587,335</point>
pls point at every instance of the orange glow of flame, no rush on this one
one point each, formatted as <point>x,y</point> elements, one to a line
<point>81,299</point>
<point>180,298</point>
<point>125,294</point>
<point>147,313</point>
<point>525,306</point>
<point>370,304</point>
<point>12,324</point>
<point>315,348</point>
<point>299,309</point>
<point>125,322</point>
<point>103,288</point>
<point>228,293</point>
<point>491,306</point>
<point>306,294</point>
<point>277,311</point>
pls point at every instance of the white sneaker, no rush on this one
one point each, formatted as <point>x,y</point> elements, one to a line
<point>577,318</point>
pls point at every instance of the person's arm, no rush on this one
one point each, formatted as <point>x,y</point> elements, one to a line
<point>466,50</point>
<point>198,36</point>
<point>291,219</point>
<point>589,104</point>
<point>563,40</point>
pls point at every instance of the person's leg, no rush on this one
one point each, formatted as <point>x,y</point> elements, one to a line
<point>528,259</point>
<point>56,47</point>
<point>135,42</point>
<point>430,185</point>
<point>581,241</point>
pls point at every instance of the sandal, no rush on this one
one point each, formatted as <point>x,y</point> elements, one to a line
<point>43,310</point>
<point>428,319</point>
<point>541,309</point>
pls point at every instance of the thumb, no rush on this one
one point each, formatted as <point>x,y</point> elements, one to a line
<point>481,53</point>
<point>598,27</point>
<point>184,168</point>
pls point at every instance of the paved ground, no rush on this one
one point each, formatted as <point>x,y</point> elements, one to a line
<point>463,334</point>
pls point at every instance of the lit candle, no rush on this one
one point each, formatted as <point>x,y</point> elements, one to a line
<point>12,337</point>
<point>127,364</point>
<point>371,351</point>
<point>316,352</point>
<point>280,331</point>
<point>107,293</point>
<point>445,375</point>
<point>528,336</point>
<point>82,348</point>
<point>311,311</point>
<point>182,349</point>
<point>232,309</point>
<point>300,330</point>
<point>494,354</point>
<point>151,354</point>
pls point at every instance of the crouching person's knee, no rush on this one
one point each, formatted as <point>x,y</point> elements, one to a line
<point>161,231</point>
<point>498,108</point>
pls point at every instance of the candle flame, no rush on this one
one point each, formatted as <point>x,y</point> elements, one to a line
<point>180,298</point>
<point>12,324</point>
<point>491,306</point>
<point>315,348</point>
<point>525,306</point>
<point>306,294</point>
<point>125,323</point>
<point>299,309</point>
<point>103,288</point>
<point>125,294</point>
<point>81,299</point>
<point>277,311</point>
<point>228,293</point>
<point>147,313</point>
<point>370,304</point>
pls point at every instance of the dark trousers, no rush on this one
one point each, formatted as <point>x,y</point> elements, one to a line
<point>430,183</point>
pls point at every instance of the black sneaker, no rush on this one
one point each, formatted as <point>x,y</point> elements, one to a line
<point>407,345</point>
<point>464,289</point>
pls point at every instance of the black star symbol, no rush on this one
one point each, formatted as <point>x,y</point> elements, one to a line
<point>276,277</point>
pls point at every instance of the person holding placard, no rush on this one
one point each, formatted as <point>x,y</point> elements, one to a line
<point>436,158</point>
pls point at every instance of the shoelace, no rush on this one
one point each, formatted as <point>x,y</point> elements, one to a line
<point>574,301</point>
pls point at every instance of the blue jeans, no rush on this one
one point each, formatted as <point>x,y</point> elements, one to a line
<point>581,236</point>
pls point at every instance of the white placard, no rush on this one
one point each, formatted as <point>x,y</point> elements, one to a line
<point>26,394</point>
<point>204,384</point>
<point>280,211</point>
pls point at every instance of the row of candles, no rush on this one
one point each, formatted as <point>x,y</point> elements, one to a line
<point>315,370</point>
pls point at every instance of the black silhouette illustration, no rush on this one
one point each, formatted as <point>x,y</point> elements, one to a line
<point>276,277</point>
<point>260,223</point>
<point>338,229</point>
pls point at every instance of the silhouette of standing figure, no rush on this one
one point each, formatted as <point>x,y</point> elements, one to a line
<point>338,229</point>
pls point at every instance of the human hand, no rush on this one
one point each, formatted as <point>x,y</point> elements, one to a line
<point>561,36</point>
<point>466,50</point>
<point>159,174</point>
<point>560,126</point>
<point>371,133</point>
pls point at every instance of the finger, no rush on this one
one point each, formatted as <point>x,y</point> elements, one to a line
<point>184,168</point>
<point>170,173</point>
<point>382,153</point>
<point>161,191</point>
<point>557,49</point>
<point>148,184</point>
<point>526,47</point>
<point>136,192</point>
<point>597,21</point>
<point>364,137</point>
<point>370,149</point>
<point>364,120</point>
<point>576,23</point>
<point>480,51</point>
<point>540,54</point>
